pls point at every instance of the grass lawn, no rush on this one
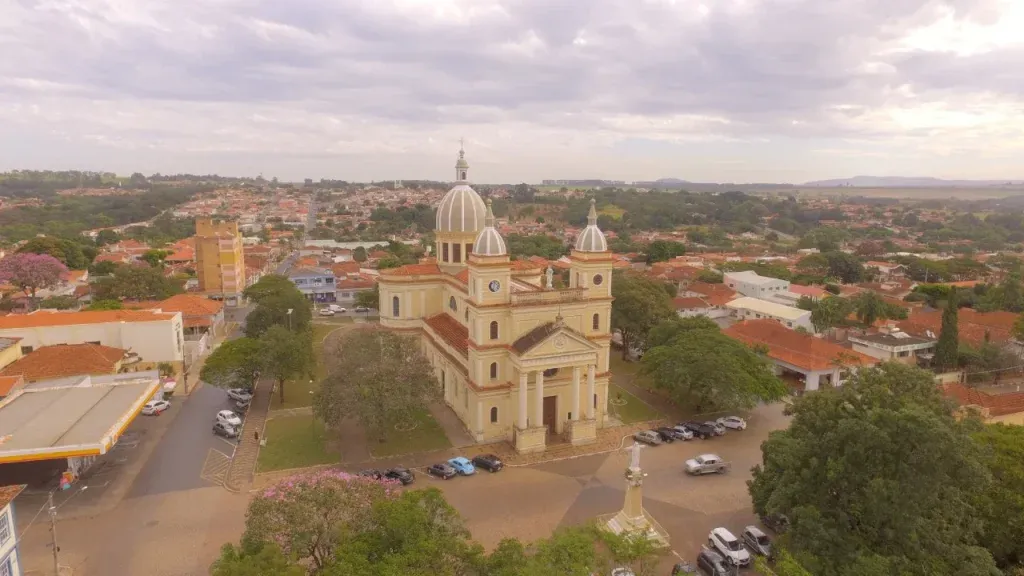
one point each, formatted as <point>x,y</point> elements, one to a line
<point>634,410</point>
<point>294,442</point>
<point>428,435</point>
<point>620,366</point>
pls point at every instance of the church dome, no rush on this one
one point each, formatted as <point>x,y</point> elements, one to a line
<point>489,242</point>
<point>461,209</point>
<point>592,239</point>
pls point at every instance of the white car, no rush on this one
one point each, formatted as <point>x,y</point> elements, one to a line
<point>155,407</point>
<point>729,546</point>
<point>239,394</point>
<point>733,422</point>
<point>228,417</point>
<point>337,309</point>
<point>326,312</point>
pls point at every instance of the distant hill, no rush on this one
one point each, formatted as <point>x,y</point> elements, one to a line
<point>909,182</point>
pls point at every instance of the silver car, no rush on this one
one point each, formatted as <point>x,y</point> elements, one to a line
<point>719,429</point>
<point>649,437</point>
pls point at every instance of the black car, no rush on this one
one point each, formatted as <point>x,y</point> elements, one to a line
<point>777,523</point>
<point>375,474</point>
<point>711,563</point>
<point>699,429</point>
<point>667,434</point>
<point>403,475</point>
<point>442,470</point>
<point>488,462</point>
<point>225,430</point>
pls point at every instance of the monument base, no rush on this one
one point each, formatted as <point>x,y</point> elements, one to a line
<point>643,525</point>
<point>531,440</point>
<point>582,432</point>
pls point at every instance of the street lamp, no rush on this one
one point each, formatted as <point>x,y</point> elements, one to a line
<point>290,310</point>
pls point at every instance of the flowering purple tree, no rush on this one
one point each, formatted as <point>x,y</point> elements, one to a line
<point>306,515</point>
<point>30,272</point>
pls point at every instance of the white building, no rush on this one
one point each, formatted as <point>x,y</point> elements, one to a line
<point>748,308</point>
<point>892,344</point>
<point>153,336</point>
<point>9,560</point>
<point>754,285</point>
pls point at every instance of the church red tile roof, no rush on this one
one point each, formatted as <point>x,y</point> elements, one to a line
<point>412,270</point>
<point>451,331</point>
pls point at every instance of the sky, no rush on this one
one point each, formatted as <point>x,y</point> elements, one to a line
<point>709,91</point>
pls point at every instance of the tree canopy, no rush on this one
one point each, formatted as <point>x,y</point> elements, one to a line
<point>31,272</point>
<point>640,304</point>
<point>286,354</point>
<point>234,364</point>
<point>876,477</point>
<point>274,296</point>
<point>68,252</point>
<point>136,282</point>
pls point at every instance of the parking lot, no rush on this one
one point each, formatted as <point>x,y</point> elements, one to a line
<point>532,501</point>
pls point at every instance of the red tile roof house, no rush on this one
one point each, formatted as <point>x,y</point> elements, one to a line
<point>804,362</point>
<point>1006,408</point>
<point>199,315</point>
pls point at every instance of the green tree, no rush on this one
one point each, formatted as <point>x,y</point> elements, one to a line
<point>286,354</point>
<point>104,268</point>
<point>700,365</point>
<point>69,253</point>
<point>869,307</point>
<point>359,254</point>
<point>782,564</point>
<point>377,377</point>
<point>664,250</point>
<point>855,497</point>
<point>59,302</point>
<point>104,237</point>
<point>640,304</point>
<point>369,298</point>
<point>710,277</point>
<point>946,350</point>
<point>844,266</point>
<point>234,364</point>
<point>155,258</point>
<point>829,313</point>
<point>274,296</point>
<point>135,283</point>
<point>254,560</point>
<point>105,305</point>
<point>1002,504</point>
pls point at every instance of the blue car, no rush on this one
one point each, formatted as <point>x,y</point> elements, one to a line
<point>462,465</point>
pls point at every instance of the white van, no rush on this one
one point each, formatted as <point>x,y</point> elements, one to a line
<point>336,309</point>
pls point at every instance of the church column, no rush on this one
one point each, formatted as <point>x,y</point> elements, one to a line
<point>591,391</point>
<point>521,421</point>
<point>575,393</point>
<point>538,405</point>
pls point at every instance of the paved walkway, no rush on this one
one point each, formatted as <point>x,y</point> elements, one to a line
<point>243,467</point>
<point>452,426</point>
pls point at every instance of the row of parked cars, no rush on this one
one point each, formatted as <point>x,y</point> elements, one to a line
<point>725,553</point>
<point>458,466</point>
<point>228,423</point>
<point>690,430</point>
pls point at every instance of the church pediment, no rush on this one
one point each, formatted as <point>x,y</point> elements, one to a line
<point>552,339</point>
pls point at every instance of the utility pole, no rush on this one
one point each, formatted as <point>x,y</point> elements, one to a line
<point>53,534</point>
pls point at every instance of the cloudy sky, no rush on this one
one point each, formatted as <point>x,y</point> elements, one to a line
<point>705,90</point>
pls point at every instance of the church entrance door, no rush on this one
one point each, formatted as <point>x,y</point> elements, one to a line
<point>551,413</point>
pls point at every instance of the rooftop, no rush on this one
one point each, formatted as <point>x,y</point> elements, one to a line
<point>191,305</point>
<point>41,318</point>
<point>997,404</point>
<point>75,417</point>
<point>791,347</point>
<point>451,331</point>
<point>6,343</point>
<point>750,277</point>
<point>62,360</point>
<point>892,339</point>
<point>769,308</point>
<point>9,493</point>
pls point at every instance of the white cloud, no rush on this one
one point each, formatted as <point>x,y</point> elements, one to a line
<point>361,89</point>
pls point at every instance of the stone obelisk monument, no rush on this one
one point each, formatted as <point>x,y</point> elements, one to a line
<point>633,519</point>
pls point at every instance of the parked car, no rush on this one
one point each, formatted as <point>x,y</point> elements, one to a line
<point>649,437</point>
<point>488,462</point>
<point>729,547</point>
<point>622,571</point>
<point>683,433</point>
<point>711,562</point>
<point>228,417</point>
<point>243,405</point>
<point>239,394</point>
<point>462,465</point>
<point>666,434</point>
<point>371,473</point>
<point>733,422</point>
<point>757,541</point>
<point>326,312</point>
<point>403,475</point>
<point>361,309</point>
<point>442,470</point>
<point>702,431</point>
<point>777,523</point>
<point>155,407</point>
<point>337,309</point>
<point>706,464</point>
<point>718,428</point>
<point>225,430</point>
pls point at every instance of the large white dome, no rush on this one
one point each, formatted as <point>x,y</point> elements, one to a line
<point>461,210</point>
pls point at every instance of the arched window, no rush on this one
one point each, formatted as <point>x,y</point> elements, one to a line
<point>494,330</point>
<point>494,414</point>
<point>467,314</point>
<point>452,304</point>
<point>597,322</point>
<point>444,252</point>
<point>395,307</point>
<point>456,252</point>
<point>494,370</point>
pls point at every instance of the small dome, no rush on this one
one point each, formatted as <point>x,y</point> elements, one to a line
<point>489,242</point>
<point>592,239</point>
<point>461,210</point>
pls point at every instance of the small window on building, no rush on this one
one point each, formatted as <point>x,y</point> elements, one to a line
<point>903,353</point>
<point>494,370</point>
<point>96,342</point>
<point>467,314</point>
<point>469,249</point>
<point>465,400</point>
<point>494,414</point>
<point>790,324</point>
<point>456,252</point>
<point>26,349</point>
<point>444,252</point>
<point>595,400</point>
<point>395,307</point>
<point>597,321</point>
<point>453,304</point>
<point>494,330</point>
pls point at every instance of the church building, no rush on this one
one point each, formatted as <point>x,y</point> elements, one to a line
<point>517,358</point>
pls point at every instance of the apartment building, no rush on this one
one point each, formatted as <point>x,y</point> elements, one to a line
<point>9,560</point>
<point>220,260</point>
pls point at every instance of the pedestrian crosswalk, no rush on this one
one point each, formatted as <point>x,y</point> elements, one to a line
<point>216,466</point>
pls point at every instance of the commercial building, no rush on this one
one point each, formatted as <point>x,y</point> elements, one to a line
<point>64,360</point>
<point>890,343</point>
<point>10,562</point>
<point>220,261</point>
<point>316,284</point>
<point>516,358</point>
<point>150,337</point>
<point>747,308</point>
<point>752,284</point>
